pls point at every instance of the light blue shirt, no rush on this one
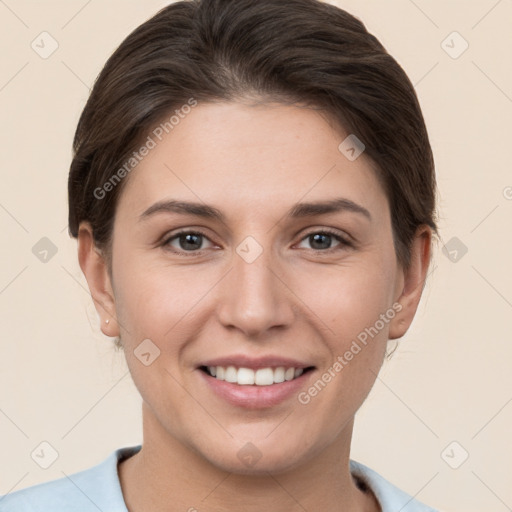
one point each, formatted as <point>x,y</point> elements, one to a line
<point>98,489</point>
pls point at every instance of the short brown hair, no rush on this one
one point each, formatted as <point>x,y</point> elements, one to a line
<point>298,51</point>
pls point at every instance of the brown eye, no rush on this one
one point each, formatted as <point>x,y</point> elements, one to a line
<point>186,241</point>
<point>323,240</point>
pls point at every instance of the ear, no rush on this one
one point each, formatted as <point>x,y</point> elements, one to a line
<point>412,282</point>
<point>94,267</point>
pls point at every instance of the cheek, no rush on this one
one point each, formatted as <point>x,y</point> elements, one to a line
<point>165,304</point>
<point>348,299</point>
<point>156,304</point>
<point>355,335</point>
<point>353,310</point>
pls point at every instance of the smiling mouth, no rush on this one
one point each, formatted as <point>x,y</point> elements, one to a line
<point>260,377</point>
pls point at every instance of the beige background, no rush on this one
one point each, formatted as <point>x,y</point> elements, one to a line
<point>449,380</point>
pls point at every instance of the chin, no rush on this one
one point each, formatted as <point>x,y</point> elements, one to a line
<point>259,457</point>
<point>262,467</point>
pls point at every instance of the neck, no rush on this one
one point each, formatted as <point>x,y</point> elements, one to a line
<point>165,475</point>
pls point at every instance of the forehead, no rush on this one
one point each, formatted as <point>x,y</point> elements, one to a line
<point>243,156</point>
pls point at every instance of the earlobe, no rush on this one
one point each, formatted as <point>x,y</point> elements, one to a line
<point>93,265</point>
<point>412,282</point>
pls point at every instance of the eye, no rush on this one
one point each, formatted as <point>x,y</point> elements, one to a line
<point>321,240</point>
<point>187,242</point>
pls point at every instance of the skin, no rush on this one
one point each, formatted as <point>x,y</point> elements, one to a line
<point>297,299</point>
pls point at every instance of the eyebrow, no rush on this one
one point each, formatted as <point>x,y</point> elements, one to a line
<point>298,210</point>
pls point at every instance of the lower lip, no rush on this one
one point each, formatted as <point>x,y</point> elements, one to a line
<point>255,397</point>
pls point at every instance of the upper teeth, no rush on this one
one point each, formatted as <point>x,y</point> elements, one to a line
<point>260,377</point>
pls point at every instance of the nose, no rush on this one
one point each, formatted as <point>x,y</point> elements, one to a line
<point>254,296</point>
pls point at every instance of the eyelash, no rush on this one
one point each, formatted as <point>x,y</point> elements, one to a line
<point>344,242</point>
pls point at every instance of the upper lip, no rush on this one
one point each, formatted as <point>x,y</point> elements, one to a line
<point>243,361</point>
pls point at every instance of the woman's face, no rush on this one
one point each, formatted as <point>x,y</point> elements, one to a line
<point>255,284</point>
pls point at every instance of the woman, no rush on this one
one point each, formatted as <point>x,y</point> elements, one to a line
<point>253,195</point>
